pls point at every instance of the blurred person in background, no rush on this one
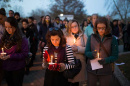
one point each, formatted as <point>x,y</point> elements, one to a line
<point>11,13</point>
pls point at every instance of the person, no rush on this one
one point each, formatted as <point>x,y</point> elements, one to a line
<point>128,31</point>
<point>126,36</point>
<point>120,30</point>
<point>89,29</point>
<point>102,48</point>
<point>88,20</point>
<point>57,22</point>
<point>25,29</point>
<point>84,25</point>
<point>11,13</point>
<point>33,39</point>
<point>62,26</point>
<point>56,47</point>
<point>42,32</point>
<point>109,20</point>
<point>65,26</point>
<point>16,48</point>
<point>17,17</point>
<point>77,40</point>
<point>115,29</point>
<point>2,20</point>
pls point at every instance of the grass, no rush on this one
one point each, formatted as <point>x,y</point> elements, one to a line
<point>126,67</point>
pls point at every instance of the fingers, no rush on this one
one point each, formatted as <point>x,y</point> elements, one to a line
<point>5,57</point>
<point>99,58</point>
<point>62,67</point>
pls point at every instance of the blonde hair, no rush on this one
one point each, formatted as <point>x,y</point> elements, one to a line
<point>69,27</point>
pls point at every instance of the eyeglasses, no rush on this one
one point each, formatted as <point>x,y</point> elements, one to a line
<point>101,28</point>
<point>54,28</point>
<point>74,27</point>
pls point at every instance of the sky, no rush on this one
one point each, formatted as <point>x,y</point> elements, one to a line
<point>92,6</point>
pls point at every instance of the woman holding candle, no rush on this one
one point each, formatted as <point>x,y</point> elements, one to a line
<point>58,52</point>
<point>2,20</point>
<point>103,43</point>
<point>16,48</point>
<point>77,40</point>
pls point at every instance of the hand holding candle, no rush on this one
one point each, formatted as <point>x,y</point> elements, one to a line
<point>53,66</point>
<point>3,53</point>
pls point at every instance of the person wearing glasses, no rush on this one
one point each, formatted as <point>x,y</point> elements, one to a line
<point>103,48</point>
<point>57,48</point>
<point>77,40</point>
<point>16,48</point>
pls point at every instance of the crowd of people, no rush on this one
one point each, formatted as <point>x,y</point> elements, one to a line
<point>95,39</point>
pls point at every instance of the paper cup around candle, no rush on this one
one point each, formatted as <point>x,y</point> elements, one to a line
<point>51,65</point>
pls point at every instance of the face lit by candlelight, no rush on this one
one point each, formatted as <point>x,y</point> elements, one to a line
<point>74,28</point>
<point>55,40</point>
<point>9,28</point>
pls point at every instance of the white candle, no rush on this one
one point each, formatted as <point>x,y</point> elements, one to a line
<point>51,63</point>
<point>2,50</point>
<point>51,59</point>
<point>74,41</point>
<point>98,55</point>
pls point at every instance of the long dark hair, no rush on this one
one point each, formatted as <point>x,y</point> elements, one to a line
<point>54,33</point>
<point>17,36</point>
<point>83,23</point>
<point>50,24</point>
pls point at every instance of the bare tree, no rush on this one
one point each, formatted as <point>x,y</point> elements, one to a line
<point>7,5</point>
<point>118,7</point>
<point>38,13</point>
<point>19,9</point>
<point>68,7</point>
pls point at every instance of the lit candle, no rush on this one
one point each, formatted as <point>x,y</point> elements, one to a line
<point>3,53</point>
<point>51,63</point>
<point>51,59</point>
<point>74,41</point>
<point>2,50</point>
<point>98,55</point>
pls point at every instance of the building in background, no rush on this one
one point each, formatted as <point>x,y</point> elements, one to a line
<point>69,17</point>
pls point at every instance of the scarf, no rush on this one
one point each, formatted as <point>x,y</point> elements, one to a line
<point>60,53</point>
<point>75,35</point>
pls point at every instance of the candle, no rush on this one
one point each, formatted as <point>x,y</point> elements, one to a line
<point>2,50</point>
<point>51,59</point>
<point>51,63</point>
<point>3,53</point>
<point>98,55</point>
<point>74,41</point>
